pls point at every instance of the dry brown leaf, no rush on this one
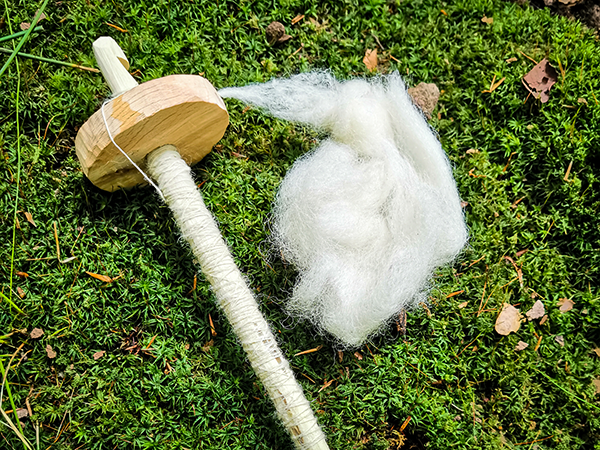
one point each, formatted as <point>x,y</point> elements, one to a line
<point>22,274</point>
<point>596,384</point>
<point>425,96</point>
<point>509,320</point>
<point>560,340</point>
<point>472,151</point>
<point>488,20</point>
<point>358,356</point>
<point>565,304</point>
<point>582,100</point>
<point>25,26</point>
<point>29,218</point>
<point>370,59</point>
<point>463,304</point>
<point>521,346</point>
<point>521,253</point>
<point>544,319</point>
<point>511,60</point>
<point>100,277</point>
<point>99,354</point>
<point>36,333</point>
<point>536,311</point>
<point>206,347</point>
<point>540,79</point>
<point>50,352</point>
<point>596,351</point>
<point>21,292</point>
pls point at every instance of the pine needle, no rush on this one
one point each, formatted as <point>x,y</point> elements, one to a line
<point>19,34</point>
<point>48,60</point>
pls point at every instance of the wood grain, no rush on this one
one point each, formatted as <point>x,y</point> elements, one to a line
<point>181,110</point>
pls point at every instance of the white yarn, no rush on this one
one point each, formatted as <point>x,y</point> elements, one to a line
<point>235,298</point>
<point>146,177</point>
<point>370,213</point>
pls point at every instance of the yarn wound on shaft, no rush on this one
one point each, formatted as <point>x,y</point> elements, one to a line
<point>368,215</point>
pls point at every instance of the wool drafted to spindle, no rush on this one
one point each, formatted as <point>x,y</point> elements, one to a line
<point>368,215</point>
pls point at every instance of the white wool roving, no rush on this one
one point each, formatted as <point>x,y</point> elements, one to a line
<point>368,215</point>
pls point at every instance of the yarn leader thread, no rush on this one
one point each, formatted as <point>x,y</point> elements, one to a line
<point>368,215</point>
<point>197,225</point>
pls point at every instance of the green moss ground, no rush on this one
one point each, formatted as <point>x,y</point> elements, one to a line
<point>462,384</point>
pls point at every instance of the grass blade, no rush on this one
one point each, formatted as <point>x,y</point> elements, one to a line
<point>24,38</point>
<point>19,34</point>
<point>48,60</point>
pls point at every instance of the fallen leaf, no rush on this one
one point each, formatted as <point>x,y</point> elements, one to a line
<point>22,413</point>
<point>472,151</point>
<point>36,333</point>
<point>596,351</point>
<point>29,218</point>
<point>50,352</point>
<point>22,274</point>
<point>488,20</point>
<point>536,311</point>
<point>326,384</point>
<point>596,384</point>
<point>452,294</point>
<point>425,96</point>
<point>582,100</point>
<point>511,60</point>
<point>508,320</point>
<point>560,340</point>
<point>540,79</point>
<point>358,356</point>
<point>21,292</point>
<point>213,331</point>
<point>99,354</point>
<point>25,26</point>
<point>521,346</point>
<point>370,59</point>
<point>206,347</point>
<point>462,305</point>
<point>565,304</point>
<point>100,277</point>
<point>544,319</point>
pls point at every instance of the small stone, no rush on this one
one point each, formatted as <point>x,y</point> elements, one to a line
<point>36,333</point>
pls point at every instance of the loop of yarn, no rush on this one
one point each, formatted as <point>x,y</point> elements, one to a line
<point>368,215</point>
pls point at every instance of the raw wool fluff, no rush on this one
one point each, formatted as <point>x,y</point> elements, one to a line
<point>368,215</point>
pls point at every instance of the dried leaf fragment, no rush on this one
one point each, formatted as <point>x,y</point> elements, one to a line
<point>50,352</point>
<point>25,26</point>
<point>425,96</point>
<point>99,277</point>
<point>596,351</point>
<point>540,79</point>
<point>21,292</point>
<point>488,20</point>
<point>521,346</point>
<point>36,333</point>
<point>463,305</point>
<point>509,320</point>
<point>565,304</point>
<point>99,354</point>
<point>560,340</point>
<point>370,59</point>
<point>22,413</point>
<point>596,384</point>
<point>297,19</point>
<point>22,274</point>
<point>536,311</point>
<point>511,60</point>
<point>29,218</point>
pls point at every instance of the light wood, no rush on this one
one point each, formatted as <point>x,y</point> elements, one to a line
<point>182,110</point>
